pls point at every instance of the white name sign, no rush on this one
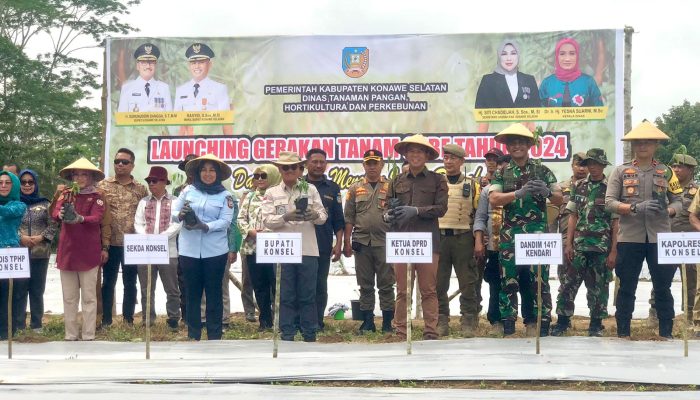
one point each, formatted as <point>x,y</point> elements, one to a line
<point>14,262</point>
<point>282,247</point>
<point>678,247</point>
<point>144,249</point>
<point>409,247</point>
<point>538,248</point>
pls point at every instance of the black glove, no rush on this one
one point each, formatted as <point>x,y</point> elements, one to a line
<point>405,213</point>
<point>197,225</point>
<point>293,215</point>
<point>187,215</point>
<point>388,216</point>
<point>528,188</point>
<point>310,215</point>
<point>68,214</point>
<point>540,188</point>
<point>648,206</point>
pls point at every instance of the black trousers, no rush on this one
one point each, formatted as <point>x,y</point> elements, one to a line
<point>630,257</point>
<point>262,276</point>
<point>492,276</point>
<point>324,265</point>
<point>204,275</point>
<point>110,272</point>
<point>32,287</point>
<point>298,298</point>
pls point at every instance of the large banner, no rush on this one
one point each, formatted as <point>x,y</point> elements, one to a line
<point>247,99</point>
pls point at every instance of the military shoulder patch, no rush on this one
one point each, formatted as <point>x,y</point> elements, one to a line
<point>229,201</point>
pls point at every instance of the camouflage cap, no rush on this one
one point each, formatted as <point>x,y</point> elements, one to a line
<point>454,149</point>
<point>684,159</point>
<point>597,155</point>
<point>579,157</point>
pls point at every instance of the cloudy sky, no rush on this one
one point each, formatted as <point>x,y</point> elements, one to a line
<point>664,45</point>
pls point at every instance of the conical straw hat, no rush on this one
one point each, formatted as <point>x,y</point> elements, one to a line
<point>516,129</point>
<point>194,164</point>
<point>645,131</point>
<point>84,164</point>
<point>419,139</point>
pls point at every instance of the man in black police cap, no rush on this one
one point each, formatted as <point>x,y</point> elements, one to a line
<point>145,93</point>
<point>365,237</point>
<point>201,93</point>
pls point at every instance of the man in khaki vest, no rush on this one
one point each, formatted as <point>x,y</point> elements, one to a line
<point>457,245</point>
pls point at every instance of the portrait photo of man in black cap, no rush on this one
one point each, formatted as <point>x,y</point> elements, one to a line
<point>145,93</point>
<point>201,93</point>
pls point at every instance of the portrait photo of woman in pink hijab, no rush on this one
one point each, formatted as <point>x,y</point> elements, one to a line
<point>568,86</point>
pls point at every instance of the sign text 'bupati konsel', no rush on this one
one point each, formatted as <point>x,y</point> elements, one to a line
<point>279,247</point>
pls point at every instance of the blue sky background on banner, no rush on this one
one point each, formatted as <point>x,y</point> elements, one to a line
<point>664,56</point>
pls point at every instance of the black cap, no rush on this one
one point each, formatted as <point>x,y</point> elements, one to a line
<point>373,155</point>
<point>199,51</point>
<point>188,158</point>
<point>147,52</point>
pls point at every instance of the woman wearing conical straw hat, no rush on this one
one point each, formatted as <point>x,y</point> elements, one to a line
<point>80,208</point>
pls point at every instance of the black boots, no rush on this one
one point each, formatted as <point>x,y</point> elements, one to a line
<point>595,327</point>
<point>508,327</point>
<point>387,316</point>
<point>367,322</point>
<point>563,324</point>
<point>623,328</point>
<point>666,328</point>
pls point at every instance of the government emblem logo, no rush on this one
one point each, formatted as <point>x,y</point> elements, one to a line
<point>355,61</point>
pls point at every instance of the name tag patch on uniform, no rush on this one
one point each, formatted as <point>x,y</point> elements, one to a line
<point>136,94</point>
<point>184,97</point>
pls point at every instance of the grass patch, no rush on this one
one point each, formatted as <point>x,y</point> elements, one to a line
<point>344,331</point>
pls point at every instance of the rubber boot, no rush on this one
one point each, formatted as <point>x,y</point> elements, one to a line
<point>563,324</point>
<point>544,328</point>
<point>468,325</point>
<point>367,322</point>
<point>508,327</point>
<point>531,329</point>
<point>623,328</point>
<point>496,329</point>
<point>595,327</point>
<point>652,320</point>
<point>443,325</point>
<point>387,317</point>
<point>666,328</point>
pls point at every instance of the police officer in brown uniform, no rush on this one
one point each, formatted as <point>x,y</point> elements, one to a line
<point>683,166</point>
<point>644,193</point>
<point>364,207</point>
<point>457,244</point>
<point>423,197</point>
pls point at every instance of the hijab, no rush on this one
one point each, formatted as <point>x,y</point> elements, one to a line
<point>499,69</point>
<point>273,176</point>
<point>34,197</point>
<point>567,75</point>
<point>213,188</point>
<point>14,192</point>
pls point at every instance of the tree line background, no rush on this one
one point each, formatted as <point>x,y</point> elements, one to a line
<point>44,122</point>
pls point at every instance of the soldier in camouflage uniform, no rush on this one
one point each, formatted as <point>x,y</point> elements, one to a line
<point>561,221</point>
<point>590,247</point>
<point>683,166</point>
<point>522,188</point>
